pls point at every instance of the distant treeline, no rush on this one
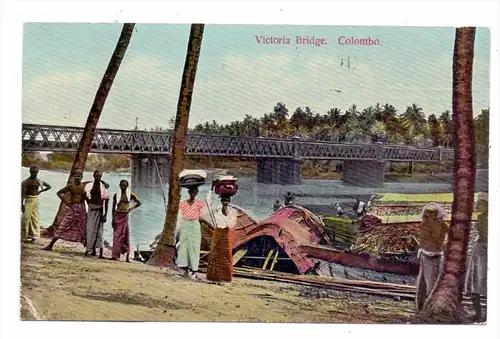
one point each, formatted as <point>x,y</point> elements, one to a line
<point>376,123</point>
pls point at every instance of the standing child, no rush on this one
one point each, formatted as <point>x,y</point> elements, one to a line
<point>124,202</point>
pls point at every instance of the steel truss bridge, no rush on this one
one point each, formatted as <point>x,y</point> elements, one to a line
<point>66,139</point>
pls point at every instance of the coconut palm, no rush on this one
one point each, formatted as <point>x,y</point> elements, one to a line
<point>299,118</point>
<point>435,130</point>
<point>445,302</point>
<point>95,112</point>
<point>367,118</point>
<point>413,120</point>
<point>447,127</point>
<point>164,252</point>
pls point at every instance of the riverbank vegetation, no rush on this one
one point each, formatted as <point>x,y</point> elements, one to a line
<point>63,161</point>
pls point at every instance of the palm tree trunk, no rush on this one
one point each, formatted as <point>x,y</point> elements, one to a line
<point>444,305</point>
<point>163,255</point>
<point>95,112</point>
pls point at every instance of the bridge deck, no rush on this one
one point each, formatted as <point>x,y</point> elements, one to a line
<point>66,139</point>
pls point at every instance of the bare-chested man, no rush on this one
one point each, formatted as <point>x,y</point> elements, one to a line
<point>72,226</point>
<point>98,203</point>
<point>30,190</point>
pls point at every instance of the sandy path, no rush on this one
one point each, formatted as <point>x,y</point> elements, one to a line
<point>65,285</point>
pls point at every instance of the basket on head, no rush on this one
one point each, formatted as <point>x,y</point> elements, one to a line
<point>192,178</point>
<point>225,186</point>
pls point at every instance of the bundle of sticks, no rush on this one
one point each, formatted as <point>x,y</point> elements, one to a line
<point>387,239</point>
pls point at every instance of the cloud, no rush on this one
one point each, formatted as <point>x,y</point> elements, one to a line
<point>148,88</point>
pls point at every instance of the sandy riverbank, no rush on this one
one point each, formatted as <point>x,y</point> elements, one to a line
<point>65,285</point>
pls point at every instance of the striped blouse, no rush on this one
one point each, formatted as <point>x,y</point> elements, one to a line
<point>191,211</point>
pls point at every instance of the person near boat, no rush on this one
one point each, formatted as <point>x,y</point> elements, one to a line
<point>433,230</point>
<point>72,226</point>
<point>31,188</point>
<point>124,202</point>
<point>477,268</point>
<point>277,205</point>
<point>188,230</point>
<point>339,211</point>
<point>289,199</point>
<point>97,203</point>
<point>224,218</point>
<point>359,208</point>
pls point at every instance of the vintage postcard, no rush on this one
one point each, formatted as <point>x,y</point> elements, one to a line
<point>255,173</point>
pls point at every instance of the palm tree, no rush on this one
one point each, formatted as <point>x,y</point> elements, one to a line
<point>445,302</point>
<point>367,118</point>
<point>280,112</point>
<point>333,116</point>
<point>95,112</point>
<point>164,252</point>
<point>413,120</point>
<point>298,119</point>
<point>447,127</point>
<point>435,130</point>
<point>389,111</point>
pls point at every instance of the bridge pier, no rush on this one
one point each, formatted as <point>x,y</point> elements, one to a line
<point>279,171</point>
<point>364,173</point>
<point>144,173</point>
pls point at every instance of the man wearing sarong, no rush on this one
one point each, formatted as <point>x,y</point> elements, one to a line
<point>478,264</point>
<point>220,260</point>
<point>30,190</point>
<point>433,230</point>
<point>72,226</point>
<point>98,202</point>
<point>124,202</point>
<point>188,233</point>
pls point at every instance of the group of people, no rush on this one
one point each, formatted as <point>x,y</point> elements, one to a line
<point>86,212</point>
<point>289,200</point>
<point>188,236</point>
<point>431,240</point>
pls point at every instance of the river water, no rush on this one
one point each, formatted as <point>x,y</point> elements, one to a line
<point>257,199</point>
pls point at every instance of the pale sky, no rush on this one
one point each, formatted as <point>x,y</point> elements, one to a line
<point>64,64</point>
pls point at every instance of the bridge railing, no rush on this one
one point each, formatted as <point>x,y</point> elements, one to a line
<point>66,139</point>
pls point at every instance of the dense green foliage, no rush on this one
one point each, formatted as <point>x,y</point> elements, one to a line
<point>379,122</point>
<point>375,123</point>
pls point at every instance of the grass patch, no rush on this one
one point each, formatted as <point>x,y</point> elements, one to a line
<point>444,198</point>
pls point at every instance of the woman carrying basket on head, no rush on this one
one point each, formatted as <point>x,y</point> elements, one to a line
<point>224,217</point>
<point>188,230</point>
